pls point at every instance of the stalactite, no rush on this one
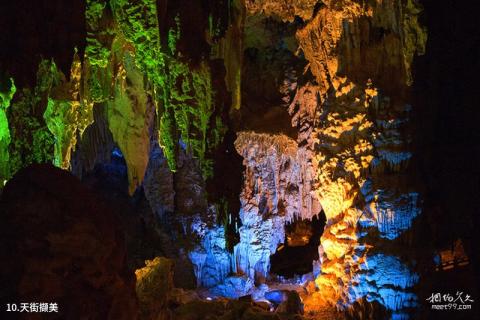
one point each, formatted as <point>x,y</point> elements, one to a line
<point>230,49</point>
<point>31,141</point>
<point>359,129</point>
<point>67,115</point>
<point>7,91</point>
<point>276,191</point>
<point>127,116</point>
<point>184,96</point>
<point>138,22</point>
<point>97,70</point>
<point>327,133</point>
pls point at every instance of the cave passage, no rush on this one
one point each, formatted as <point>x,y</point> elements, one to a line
<point>295,257</point>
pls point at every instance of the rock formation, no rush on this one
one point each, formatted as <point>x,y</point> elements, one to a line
<point>64,246</point>
<point>66,115</point>
<point>353,119</point>
<point>6,94</point>
<point>146,88</point>
<point>211,259</point>
<point>221,132</point>
<point>277,190</point>
<point>154,285</point>
<point>128,117</point>
<point>361,147</point>
<point>284,10</point>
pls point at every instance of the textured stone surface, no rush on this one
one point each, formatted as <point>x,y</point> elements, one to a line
<point>276,191</point>
<point>158,184</point>
<point>211,259</point>
<point>127,115</point>
<point>361,145</point>
<point>320,101</point>
<point>154,286</point>
<point>67,115</point>
<point>363,194</point>
<point>234,287</point>
<point>351,148</point>
<point>282,9</point>
<point>371,41</point>
<point>277,175</point>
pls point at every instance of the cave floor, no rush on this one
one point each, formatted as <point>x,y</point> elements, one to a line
<point>302,288</point>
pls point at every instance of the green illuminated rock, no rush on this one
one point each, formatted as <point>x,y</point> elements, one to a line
<point>230,49</point>
<point>138,22</point>
<point>210,133</point>
<point>189,94</point>
<point>124,69</point>
<point>7,90</point>
<point>31,141</point>
<point>184,97</point>
<point>100,34</point>
<point>67,116</point>
<point>127,118</point>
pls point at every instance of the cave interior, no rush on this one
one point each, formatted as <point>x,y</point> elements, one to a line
<point>239,159</point>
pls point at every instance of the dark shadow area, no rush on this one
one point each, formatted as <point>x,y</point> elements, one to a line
<point>145,235</point>
<point>363,309</point>
<point>192,17</point>
<point>226,185</point>
<point>295,257</point>
<point>32,30</point>
<point>267,58</point>
<point>446,114</point>
<point>62,243</point>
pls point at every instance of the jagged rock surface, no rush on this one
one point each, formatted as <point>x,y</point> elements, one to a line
<point>361,146</point>
<point>158,184</point>
<point>211,259</point>
<point>277,190</point>
<point>154,286</point>
<point>66,115</point>
<point>343,69</point>
<point>283,9</point>
<point>128,118</point>
<point>351,150</point>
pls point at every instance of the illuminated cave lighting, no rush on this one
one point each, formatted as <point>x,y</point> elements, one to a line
<point>182,144</point>
<point>385,279</point>
<point>361,212</point>
<point>117,153</point>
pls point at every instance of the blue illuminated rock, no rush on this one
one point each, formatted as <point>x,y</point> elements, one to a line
<point>384,279</point>
<point>277,189</point>
<point>211,260</point>
<point>234,287</point>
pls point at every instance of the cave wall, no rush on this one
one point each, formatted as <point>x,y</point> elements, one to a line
<point>353,116</point>
<point>277,190</point>
<point>129,65</point>
<point>240,118</point>
<point>149,85</point>
<point>345,85</point>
